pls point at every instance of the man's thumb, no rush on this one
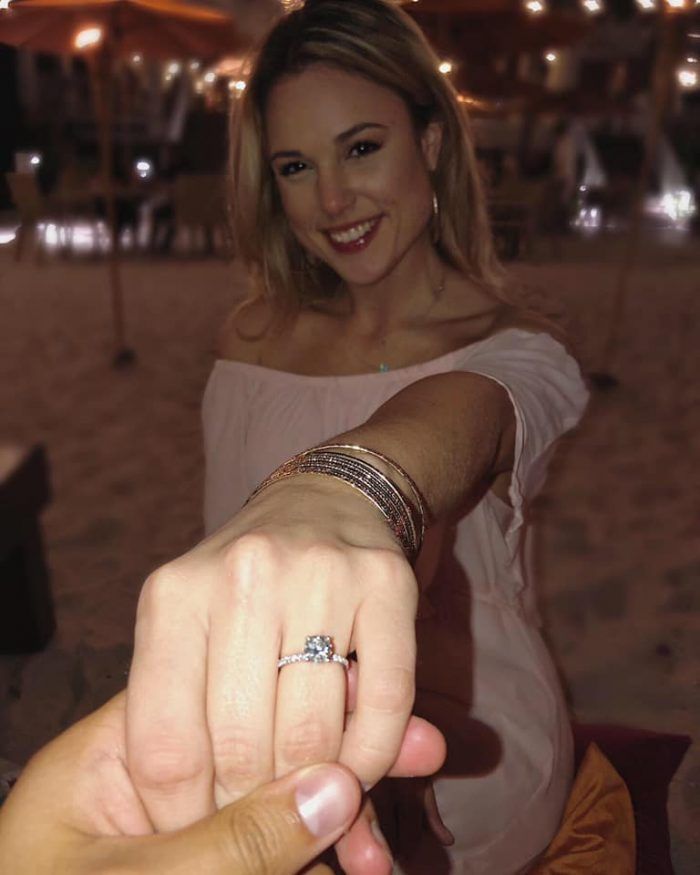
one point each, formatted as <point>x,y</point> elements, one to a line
<point>276,830</point>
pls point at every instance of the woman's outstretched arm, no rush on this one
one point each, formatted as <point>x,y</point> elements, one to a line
<point>209,715</point>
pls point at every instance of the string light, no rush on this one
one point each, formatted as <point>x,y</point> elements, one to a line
<point>592,7</point>
<point>551,57</point>
<point>535,7</point>
<point>88,37</point>
<point>445,67</point>
<point>688,78</point>
<point>646,5</point>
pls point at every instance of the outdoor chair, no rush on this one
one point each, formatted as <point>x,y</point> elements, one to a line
<point>199,205</point>
<point>514,208</point>
<point>35,211</point>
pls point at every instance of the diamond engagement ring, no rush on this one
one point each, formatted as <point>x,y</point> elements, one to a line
<point>317,648</point>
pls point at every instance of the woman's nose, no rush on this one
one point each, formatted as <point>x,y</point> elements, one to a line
<point>335,195</point>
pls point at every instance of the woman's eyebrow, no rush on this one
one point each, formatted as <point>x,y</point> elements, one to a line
<point>340,138</point>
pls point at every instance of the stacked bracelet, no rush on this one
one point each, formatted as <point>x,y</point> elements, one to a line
<point>405,518</point>
<point>419,501</point>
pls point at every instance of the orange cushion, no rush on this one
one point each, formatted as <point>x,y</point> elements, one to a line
<point>597,831</point>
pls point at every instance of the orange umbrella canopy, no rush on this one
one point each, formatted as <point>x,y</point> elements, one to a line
<point>155,28</point>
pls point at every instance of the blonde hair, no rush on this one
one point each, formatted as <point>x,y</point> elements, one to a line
<point>377,40</point>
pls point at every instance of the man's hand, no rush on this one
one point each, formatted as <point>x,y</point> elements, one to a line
<point>75,811</point>
<point>61,819</point>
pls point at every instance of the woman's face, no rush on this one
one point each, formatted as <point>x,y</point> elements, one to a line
<point>352,174</point>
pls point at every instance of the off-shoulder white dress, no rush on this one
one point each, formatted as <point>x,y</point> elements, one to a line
<point>480,650</point>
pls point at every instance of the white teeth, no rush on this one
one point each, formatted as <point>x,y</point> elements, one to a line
<point>352,234</point>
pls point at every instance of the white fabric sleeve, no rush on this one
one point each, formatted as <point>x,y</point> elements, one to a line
<point>549,396</point>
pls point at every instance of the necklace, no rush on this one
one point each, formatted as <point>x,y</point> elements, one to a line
<point>384,366</point>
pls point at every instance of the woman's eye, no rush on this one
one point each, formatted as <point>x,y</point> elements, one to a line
<point>364,147</point>
<point>291,169</point>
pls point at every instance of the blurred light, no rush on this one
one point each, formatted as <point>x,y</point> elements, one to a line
<point>210,77</point>
<point>678,206</point>
<point>588,219</point>
<point>688,78</point>
<point>136,59</point>
<point>551,57</point>
<point>89,36</point>
<point>237,85</point>
<point>445,67</point>
<point>593,7</point>
<point>51,234</point>
<point>691,60</point>
<point>646,5</point>
<point>7,235</point>
<point>173,68</point>
<point>199,86</point>
<point>676,4</point>
<point>5,4</point>
<point>535,7</point>
<point>194,66</point>
<point>35,160</point>
<point>143,168</point>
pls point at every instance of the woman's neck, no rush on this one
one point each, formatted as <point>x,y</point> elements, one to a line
<point>401,297</point>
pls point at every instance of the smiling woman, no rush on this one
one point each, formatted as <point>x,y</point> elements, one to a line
<point>386,50</point>
<point>407,410</point>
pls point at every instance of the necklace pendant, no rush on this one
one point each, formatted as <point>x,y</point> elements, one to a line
<point>383,368</point>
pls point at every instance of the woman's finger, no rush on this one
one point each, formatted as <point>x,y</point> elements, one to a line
<point>168,750</point>
<point>311,696</point>
<point>310,712</point>
<point>242,674</point>
<point>384,637</point>
<point>423,750</point>
<point>363,850</point>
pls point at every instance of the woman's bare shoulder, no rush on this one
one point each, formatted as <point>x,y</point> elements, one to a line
<point>532,321</point>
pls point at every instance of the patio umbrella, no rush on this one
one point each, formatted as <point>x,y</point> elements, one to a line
<point>113,29</point>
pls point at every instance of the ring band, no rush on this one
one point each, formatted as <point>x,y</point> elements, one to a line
<point>317,648</point>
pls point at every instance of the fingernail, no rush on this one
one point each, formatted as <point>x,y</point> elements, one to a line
<point>326,798</point>
<point>379,836</point>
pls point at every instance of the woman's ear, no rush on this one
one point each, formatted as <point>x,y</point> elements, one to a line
<point>431,141</point>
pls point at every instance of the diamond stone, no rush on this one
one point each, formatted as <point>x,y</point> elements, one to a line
<point>318,648</point>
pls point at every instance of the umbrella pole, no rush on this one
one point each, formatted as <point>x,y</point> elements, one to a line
<point>661,89</point>
<point>100,78</point>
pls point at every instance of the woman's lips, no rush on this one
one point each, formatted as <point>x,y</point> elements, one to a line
<point>353,238</point>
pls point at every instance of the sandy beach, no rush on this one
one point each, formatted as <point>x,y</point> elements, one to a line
<point>619,546</point>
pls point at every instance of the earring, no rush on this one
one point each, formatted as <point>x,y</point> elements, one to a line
<point>436,218</point>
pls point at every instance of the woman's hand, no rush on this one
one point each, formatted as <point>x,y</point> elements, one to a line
<point>209,717</point>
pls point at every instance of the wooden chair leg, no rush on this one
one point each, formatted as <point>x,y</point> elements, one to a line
<point>19,241</point>
<point>38,238</point>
